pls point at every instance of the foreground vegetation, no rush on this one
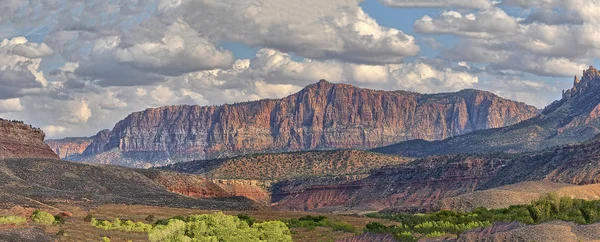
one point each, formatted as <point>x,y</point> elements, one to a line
<point>16,220</point>
<point>206,227</point>
<point>449,223</point>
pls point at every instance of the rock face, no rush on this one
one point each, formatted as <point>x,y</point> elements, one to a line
<point>99,141</point>
<point>19,140</point>
<point>575,118</point>
<point>69,146</point>
<point>321,116</point>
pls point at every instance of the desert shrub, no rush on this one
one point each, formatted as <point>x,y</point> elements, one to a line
<point>150,218</point>
<point>12,220</point>
<point>61,233</point>
<point>105,239</point>
<point>207,227</point>
<point>43,217</point>
<point>122,225</point>
<point>88,218</point>
<point>219,227</point>
<point>311,222</point>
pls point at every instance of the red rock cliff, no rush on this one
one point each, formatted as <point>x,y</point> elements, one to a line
<point>19,140</point>
<point>69,146</point>
<point>321,116</point>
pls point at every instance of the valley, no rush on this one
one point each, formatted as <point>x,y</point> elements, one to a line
<point>317,189</point>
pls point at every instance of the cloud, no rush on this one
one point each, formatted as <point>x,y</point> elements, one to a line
<point>19,67</point>
<point>322,30</point>
<point>53,130</point>
<point>470,4</point>
<point>485,24</point>
<point>10,105</point>
<point>503,42</point>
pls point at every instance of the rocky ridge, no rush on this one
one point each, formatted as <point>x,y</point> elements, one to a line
<point>321,116</point>
<point>19,140</point>
<point>573,119</point>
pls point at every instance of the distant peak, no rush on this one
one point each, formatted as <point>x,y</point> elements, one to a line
<point>323,82</point>
<point>590,73</point>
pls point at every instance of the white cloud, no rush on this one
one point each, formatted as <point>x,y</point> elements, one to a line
<point>53,130</point>
<point>19,67</point>
<point>486,24</point>
<point>10,105</point>
<point>76,112</point>
<point>337,29</point>
<point>472,4</point>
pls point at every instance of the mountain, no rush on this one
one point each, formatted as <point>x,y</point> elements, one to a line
<point>19,140</point>
<point>320,116</point>
<point>574,118</point>
<point>69,146</point>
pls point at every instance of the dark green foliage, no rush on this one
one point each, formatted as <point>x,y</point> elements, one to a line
<point>59,220</point>
<point>311,222</point>
<point>548,208</point>
<point>246,218</point>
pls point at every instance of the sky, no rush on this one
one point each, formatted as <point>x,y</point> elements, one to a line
<point>76,67</point>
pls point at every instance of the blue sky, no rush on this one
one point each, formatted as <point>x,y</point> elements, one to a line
<point>74,68</point>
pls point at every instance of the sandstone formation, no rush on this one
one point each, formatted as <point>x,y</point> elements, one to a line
<point>575,118</point>
<point>69,146</point>
<point>321,116</point>
<point>99,141</point>
<point>19,140</point>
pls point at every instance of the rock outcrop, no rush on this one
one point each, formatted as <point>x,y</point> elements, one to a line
<point>321,116</point>
<point>19,140</point>
<point>575,118</point>
<point>69,146</point>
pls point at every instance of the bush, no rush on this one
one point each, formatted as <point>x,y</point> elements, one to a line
<point>311,222</point>
<point>207,227</point>
<point>43,217</point>
<point>122,225</point>
<point>12,220</point>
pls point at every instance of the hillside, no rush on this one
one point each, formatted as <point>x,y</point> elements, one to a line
<point>19,140</point>
<point>519,193</point>
<point>421,184</point>
<point>44,182</point>
<point>575,118</point>
<point>286,166</point>
<point>321,116</point>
